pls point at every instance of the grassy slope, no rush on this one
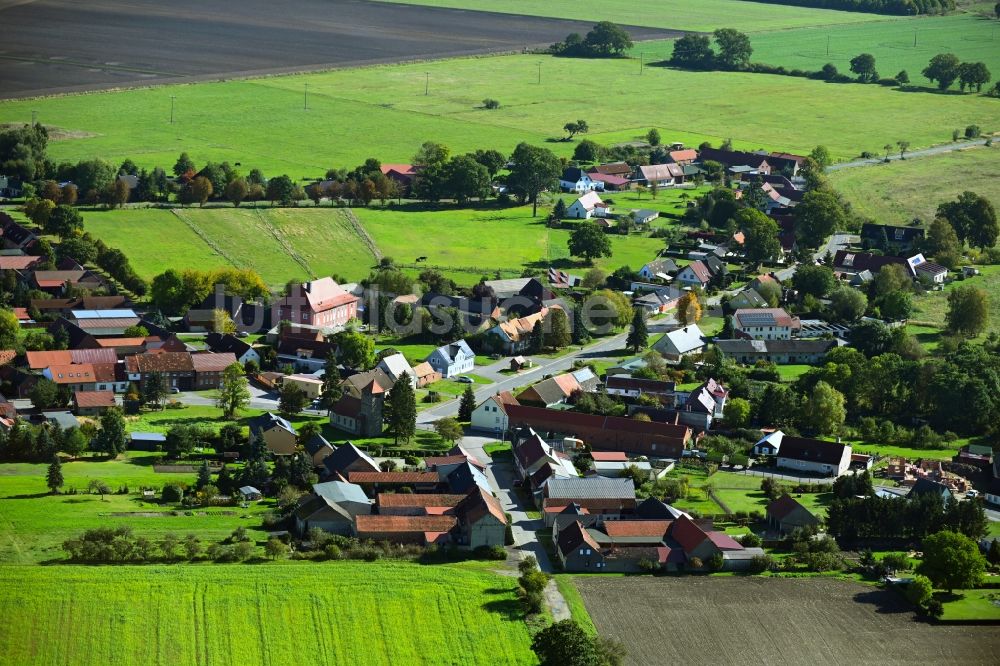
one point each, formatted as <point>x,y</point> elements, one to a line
<point>898,192</point>
<point>933,306</point>
<point>699,15</point>
<point>382,111</point>
<point>303,613</point>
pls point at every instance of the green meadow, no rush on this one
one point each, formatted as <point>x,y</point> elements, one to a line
<point>352,613</point>
<point>899,192</point>
<point>932,307</point>
<point>697,15</point>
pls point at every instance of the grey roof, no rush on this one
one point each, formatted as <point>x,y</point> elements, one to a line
<point>929,487</point>
<point>148,437</point>
<point>269,420</point>
<point>337,492</point>
<point>591,487</point>
<point>507,288</point>
<point>682,340</point>
<point>344,455</point>
<point>741,346</point>
<point>464,477</point>
<point>316,443</point>
<point>65,420</point>
<point>451,352</point>
<point>249,490</point>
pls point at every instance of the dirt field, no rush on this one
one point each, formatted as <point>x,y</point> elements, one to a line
<point>773,621</point>
<point>49,46</point>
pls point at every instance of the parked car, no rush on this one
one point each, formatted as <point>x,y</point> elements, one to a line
<point>464,380</point>
<point>174,389</point>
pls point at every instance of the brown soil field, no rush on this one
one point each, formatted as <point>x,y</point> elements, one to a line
<point>811,621</point>
<point>52,46</point>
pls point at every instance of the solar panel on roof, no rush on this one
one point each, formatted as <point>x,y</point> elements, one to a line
<point>757,319</point>
<point>104,314</point>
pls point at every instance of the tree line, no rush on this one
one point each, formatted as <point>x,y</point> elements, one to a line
<point>892,7</point>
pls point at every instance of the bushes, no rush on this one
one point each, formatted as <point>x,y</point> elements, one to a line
<point>761,563</point>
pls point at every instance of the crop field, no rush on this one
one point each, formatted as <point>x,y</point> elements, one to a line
<point>899,192</point>
<point>352,613</point>
<point>697,15</point>
<point>728,620</point>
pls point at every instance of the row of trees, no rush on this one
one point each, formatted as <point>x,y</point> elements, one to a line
<point>605,39</point>
<point>893,7</point>
<point>945,68</point>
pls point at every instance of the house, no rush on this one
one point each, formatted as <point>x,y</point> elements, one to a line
<point>418,504</point>
<point>610,498</point>
<point>925,486</point>
<point>577,549</point>
<point>814,456</point>
<point>683,157</point>
<point>77,377</point>
<point>304,348</point>
<point>277,434</point>
<point>765,324</point>
<point>890,238</point>
<point>587,206</point>
<point>13,235</point>
<point>697,273</point>
<point>472,312</point>
<point>104,323</point>
<point>359,411</point>
<point>227,343</point>
<point>660,301</point>
<point>786,162</point>
<point>614,469</point>
<point>396,366</point>
<point>425,374</point>
<point>250,494</point>
<point>660,175</point>
<point>852,263</point>
<point>977,455</point>
<point>320,303</point>
<point>928,271</point>
<point>146,441</point>
<point>332,507</point>
<point>785,515</point>
<point>491,414</point>
<point>19,262</point>
<point>401,174</point>
<point>318,449</point>
<point>992,494</point>
<point>659,269</point>
<point>533,454</point>
<point>417,481</point>
<point>780,352</point>
<point>311,385</point>
<point>39,360</point>
<point>514,335</point>
<point>481,520</point>
<point>465,477</point>
<point>418,530</point>
<point>605,433</point>
<point>557,390</point>
<point>620,169</point>
<point>680,342</point>
<point>176,368</point>
<point>209,367</point>
<point>575,179</point>
<point>633,387</point>
<point>769,444</point>
<point>348,458</point>
<point>559,279</point>
<point>610,183</point>
<point>747,299</point>
<point>733,159</point>
<point>452,359</point>
<point>92,403</point>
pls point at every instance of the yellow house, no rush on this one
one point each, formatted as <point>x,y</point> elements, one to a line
<point>278,435</point>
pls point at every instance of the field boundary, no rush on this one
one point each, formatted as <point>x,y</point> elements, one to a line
<point>362,233</point>
<point>283,242</point>
<point>204,236</point>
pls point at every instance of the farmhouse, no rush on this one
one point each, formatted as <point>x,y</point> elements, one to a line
<point>419,530</point>
<point>208,369</point>
<point>557,390</point>
<point>588,206</point>
<point>609,498</point>
<point>318,449</point>
<point>575,179</point>
<point>814,456</point>
<point>658,269</point>
<point>680,342</point>
<point>92,403</point>
<point>514,335</point>
<point>425,374</point>
<point>332,507</point>
<point>491,414</point>
<point>632,387</point>
<point>228,343</point>
<point>453,359</point>
<point>765,324</point>
<point>321,303</point>
<point>176,368</point>
<point>769,444</point>
<point>660,175</point>
<point>928,271</point>
<point>348,458</point>
<point>776,351</point>
<point>311,385</point>
<point>785,515</point>
<point>747,299</point>
<point>852,263</point>
<point>278,435</point>
<point>396,366</point>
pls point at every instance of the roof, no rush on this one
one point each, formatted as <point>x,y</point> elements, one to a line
<point>651,508</point>
<point>401,169</point>
<point>220,343</point>
<point>794,346</point>
<point>683,340</point>
<point>396,365</point>
<point>465,477</point>
<point>701,271</point>
<point>372,381</point>
<point>661,171</point>
<point>608,456</point>
<point>337,492</point>
<point>7,355</point>
<point>573,536</point>
<point>401,524</point>
<point>596,421</point>
<point>732,157</point>
<point>116,322</point>
<point>688,155</point>
<point>616,168</point>
<point>591,487</point>
<point>161,362</point>
<point>782,507</point>
<point>94,399</point>
<point>609,179</point>
<point>929,487</point>
<point>440,461</point>
<point>419,500</point>
<point>932,268</point>
<point>479,503</point>
<point>72,374</point>
<point>345,455</point>
<point>894,234</point>
<point>550,391</point>
<point>393,477</point>
<point>452,351</point>
<point>636,528</point>
<point>765,317</point>
<point>209,362</point>
<point>267,421</point>
<point>861,261</point>
<point>573,174</point>
<point>423,369</point>
<point>324,294</point>
<point>44,359</point>
<point>515,329</point>
<point>811,450</point>
<point>627,383</point>
<point>589,201</point>
<point>18,263</point>
<point>315,444</point>
<point>685,532</point>
<point>148,436</point>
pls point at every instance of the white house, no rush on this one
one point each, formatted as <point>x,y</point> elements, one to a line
<point>814,456</point>
<point>769,444</point>
<point>587,206</point>
<point>695,273</point>
<point>765,324</point>
<point>658,269</point>
<point>452,360</point>
<point>575,179</point>
<point>927,270</point>
<point>680,342</point>
<point>491,414</point>
<point>396,366</point>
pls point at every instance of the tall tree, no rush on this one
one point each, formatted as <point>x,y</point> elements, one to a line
<point>692,52</point>
<point>54,475</point>
<point>10,329</point>
<point>154,389</point>
<point>944,69</point>
<point>112,438</point>
<point>974,219</point>
<point>942,243</point>
<point>292,400</point>
<point>968,311</point>
<point>734,48</point>
<point>952,560</point>
<point>589,242</point>
<point>864,66</point>
<point>332,390</point>
<point>237,191</point>
<point>814,280</point>
<point>580,333</point>
<point>818,216</point>
<point>557,333</point>
<point>973,75</point>
<point>448,429</point>
<point>688,309</point>
<point>533,170</point>
<point>607,38</point>
<point>467,405</point>
<point>638,335</point>
<point>824,411</point>
<point>761,242</point>
<point>356,350</point>
<point>183,165</point>
<point>234,391</point>
<point>402,412</point>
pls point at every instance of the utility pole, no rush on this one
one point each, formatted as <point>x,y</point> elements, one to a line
<point>641,56</point>
<point>427,83</point>
<point>172,98</point>
<point>914,37</point>
<point>828,45</point>
<point>539,73</point>
<point>305,98</point>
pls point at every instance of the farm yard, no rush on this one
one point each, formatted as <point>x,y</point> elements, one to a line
<point>717,620</point>
<point>364,613</point>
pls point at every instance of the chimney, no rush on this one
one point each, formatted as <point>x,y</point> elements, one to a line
<point>306,286</point>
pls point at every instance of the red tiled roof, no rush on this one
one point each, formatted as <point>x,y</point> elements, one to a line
<point>687,534</point>
<point>636,528</point>
<point>609,456</point>
<point>73,374</point>
<point>38,360</point>
<point>434,461</point>
<point>91,399</point>
<point>18,263</point>
<point>209,362</point>
<point>163,362</point>
<point>7,355</point>
<point>383,524</point>
<point>723,541</point>
<point>392,477</point>
<point>104,372</point>
<point>609,179</point>
<point>418,500</point>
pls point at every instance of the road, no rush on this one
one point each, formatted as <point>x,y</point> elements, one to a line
<point>923,152</point>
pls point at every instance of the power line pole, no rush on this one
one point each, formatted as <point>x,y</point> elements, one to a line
<point>914,37</point>
<point>172,98</point>
<point>828,44</point>
<point>539,73</point>
<point>641,56</point>
<point>427,83</point>
<point>305,97</point>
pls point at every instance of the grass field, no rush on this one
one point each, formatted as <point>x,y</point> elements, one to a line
<point>898,192</point>
<point>742,493</point>
<point>304,613</point>
<point>727,620</point>
<point>906,451</point>
<point>963,605</point>
<point>933,306</point>
<point>698,15</point>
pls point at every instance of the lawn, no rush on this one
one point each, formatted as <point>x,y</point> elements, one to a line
<point>887,450</point>
<point>575,602</point>
<point>742,493</point>
<point>933,306</point>
<point>965,605</point>
<point>789,373</point>
<point>303,613</point>
<point>33,523</point>
<point>698,15</point>
<point>899,192</point>
<point>382,111</point>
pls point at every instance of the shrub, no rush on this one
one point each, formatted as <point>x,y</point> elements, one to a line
<point>750,540</point>
<point>498,553</point>
<point>973,132</point>
<point>716,562</point>
<point>332,551</point>
<point>888,82</point>
<point>490,103</point>
<point>173,492</point>
<point>760,563</point>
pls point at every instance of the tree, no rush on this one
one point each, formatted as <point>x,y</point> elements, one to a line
<point>292,400</point>
<point>10,329</point>
<point>54,475</point>
<point>64,221</point>
<point>824,411</point>
<point>587,151</point>
<point>968,311</point>
<point>942,243</point>
<point>493,160</point>
<point>332,390</point>
<point>112,438</point>
<point>448,429</point>
<point>974,75</point>
<point>201,190</point>
<point>119,192</point>
<point>280,189</point>
<point>847,304</point>
<point>357,350</point>
<point>46,394</point>
<point>402,411</point>
<point>872,338</point>
<point>761,242</point>
<point>564,643</point>
<point>903,147</point>
<point>275,548</point>
<point>688,309</point>
<point>952,560</point>
<point>692,52</point>
<point>467,405</point>
<point>737,413</point>
<point>918,591</point>
<point>181,440</point>
<point>234,392</point>
<point>204,476</point>
<point>183,165</point>
<point>818,215</point>
<point>943,68</point>
<point>864,66</point>
<point>236,191</point>
<point>638,335</point>
<point>903,77</point>
<point>589,242</point>
<point>39,211</point>
<point>536,343</point>
<point>574,128</point>
<point>557,332</point>
<point>466,178</point>
<point>896,306</point>
<point>430,154</point>
<point>974,219</point>
<point>98,487</point>
<point>814,280</point>
<point>607,38</point>
<point>734,48</point>
<point>653,137</point>
<point>533,170</point>
<point>580,333</point>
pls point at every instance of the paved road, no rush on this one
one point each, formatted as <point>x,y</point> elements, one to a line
<point>923,152</point>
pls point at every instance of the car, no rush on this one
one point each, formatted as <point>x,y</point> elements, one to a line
<point>243,334</point>
<point>174,389</point>
<point>972,494</point>
<point>464,380</point>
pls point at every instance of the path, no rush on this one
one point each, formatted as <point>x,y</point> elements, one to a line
<point>923,152</point>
